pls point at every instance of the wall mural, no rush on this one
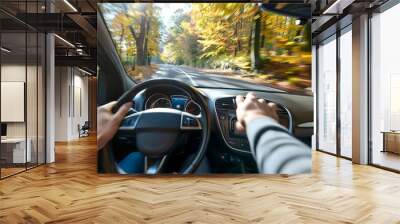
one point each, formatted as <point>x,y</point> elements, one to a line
<point>174,83</point>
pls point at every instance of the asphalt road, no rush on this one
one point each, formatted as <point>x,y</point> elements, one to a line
<point>204,79</point>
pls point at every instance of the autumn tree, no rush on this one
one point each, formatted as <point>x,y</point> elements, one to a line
<point>255,41</point>
<point>238,36</point>
<point>223,36</point>
<point>136,30</point>
<point>139,28</point>
<point>182,45</point>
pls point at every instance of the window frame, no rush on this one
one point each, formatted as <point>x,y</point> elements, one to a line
<point>378,10</point>
<point>336,30</point>
<point>27,29</point>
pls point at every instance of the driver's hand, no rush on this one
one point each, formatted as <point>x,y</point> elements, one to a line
<point>108,123</point>
<point>251,108</point>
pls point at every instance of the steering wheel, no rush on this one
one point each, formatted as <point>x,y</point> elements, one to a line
<point>156,132</point>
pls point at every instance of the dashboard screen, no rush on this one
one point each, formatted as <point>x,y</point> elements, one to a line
<point>178,102</point>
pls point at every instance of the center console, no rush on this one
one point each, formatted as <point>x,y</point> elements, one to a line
<point>226,119</point>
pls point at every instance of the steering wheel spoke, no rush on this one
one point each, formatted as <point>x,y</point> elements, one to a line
<point>154,166</point>
<point>126,131</point>
<point>129,122</point>
<point>190,122</point>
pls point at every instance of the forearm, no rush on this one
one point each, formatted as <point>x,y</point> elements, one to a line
<point>275,150</point>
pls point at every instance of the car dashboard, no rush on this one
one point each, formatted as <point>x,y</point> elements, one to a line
<point>229,150</point>
<point>225,111</point>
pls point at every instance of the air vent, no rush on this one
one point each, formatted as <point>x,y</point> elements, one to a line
<point>225,103</point>
<point>229,103</point>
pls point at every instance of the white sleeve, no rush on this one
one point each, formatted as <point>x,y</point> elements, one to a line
<point>275,150</point>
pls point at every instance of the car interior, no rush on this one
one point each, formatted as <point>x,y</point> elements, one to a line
<point>175,127</point>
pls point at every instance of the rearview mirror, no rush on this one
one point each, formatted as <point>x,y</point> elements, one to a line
<point>299,11</point>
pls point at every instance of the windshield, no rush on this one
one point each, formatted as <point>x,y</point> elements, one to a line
<point>221,45</point>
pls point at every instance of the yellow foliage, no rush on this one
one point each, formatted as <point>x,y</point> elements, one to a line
<point>216,35</point>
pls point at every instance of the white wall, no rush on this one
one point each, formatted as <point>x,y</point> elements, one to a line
<point>80,110</point>
<point>71,102</point>
<point>33,126</point>
<point>14,73</point>
<point>61,103</point>
<point>12,101</point>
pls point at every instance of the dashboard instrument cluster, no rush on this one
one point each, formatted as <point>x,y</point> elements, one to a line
<point>178,102</point>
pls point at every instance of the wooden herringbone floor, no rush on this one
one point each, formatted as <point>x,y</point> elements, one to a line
<point>70,191</point>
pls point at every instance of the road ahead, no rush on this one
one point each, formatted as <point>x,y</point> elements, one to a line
<point>199,78</point>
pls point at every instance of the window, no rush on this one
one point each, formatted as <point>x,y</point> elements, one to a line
<point>385,89</point>
<point>346,92</point>
<point>327,95</point>
<point>22,75</point>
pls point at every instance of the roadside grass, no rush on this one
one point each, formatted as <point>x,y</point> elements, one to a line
<point>286,77</point>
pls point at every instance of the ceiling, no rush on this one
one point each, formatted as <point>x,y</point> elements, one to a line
<point>74,22</point>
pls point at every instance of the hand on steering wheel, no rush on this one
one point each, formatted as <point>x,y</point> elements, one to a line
<point>155,132</point>
<point>108,123</point>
